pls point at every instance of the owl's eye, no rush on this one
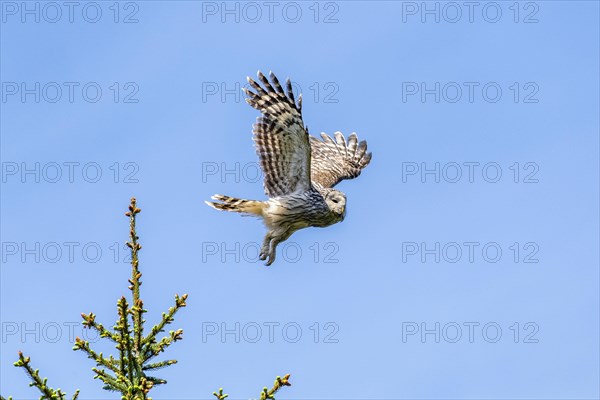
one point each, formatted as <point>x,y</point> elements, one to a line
<point>335,200</point>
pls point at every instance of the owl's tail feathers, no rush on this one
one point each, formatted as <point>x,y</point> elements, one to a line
<point>226,203</point>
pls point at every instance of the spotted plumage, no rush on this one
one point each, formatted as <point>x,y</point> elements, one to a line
<point>299,170</point>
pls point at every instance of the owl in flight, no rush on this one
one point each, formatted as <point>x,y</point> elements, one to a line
<point>299,170</point>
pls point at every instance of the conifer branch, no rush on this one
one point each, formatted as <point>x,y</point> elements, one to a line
<point>269,394</point>
<point>167,318</point>
<point>118,383</point>
<point>159,365</point>
<point>137,310</point>
<point>220,395</point>
<point>157,348</point>
<point>41,384</point>
<point>89,321</point>
<point>122,327</point>
<point>134,349</point>
<point>83,345</point>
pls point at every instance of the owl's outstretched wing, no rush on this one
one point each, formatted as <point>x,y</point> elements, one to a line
<point>335,160</point>
<point>281,140</point>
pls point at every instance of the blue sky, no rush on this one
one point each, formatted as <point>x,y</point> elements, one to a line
<point>362,309</point>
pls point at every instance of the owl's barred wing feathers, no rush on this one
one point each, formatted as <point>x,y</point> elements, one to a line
<point>335,160</point>
<point>282,142</point>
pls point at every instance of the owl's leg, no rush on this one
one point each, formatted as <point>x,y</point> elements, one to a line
<point>264,251</point>
<point>274,242</point>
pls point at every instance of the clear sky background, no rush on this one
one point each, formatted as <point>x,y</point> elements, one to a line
<point>369,286</point>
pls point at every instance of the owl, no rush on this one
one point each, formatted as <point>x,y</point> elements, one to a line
<point>299,170</point>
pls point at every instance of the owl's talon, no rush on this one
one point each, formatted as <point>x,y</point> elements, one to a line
<point>271,255</point>
<point>270,261</point>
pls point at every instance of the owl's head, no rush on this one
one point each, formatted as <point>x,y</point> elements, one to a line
<point>336,201</point>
